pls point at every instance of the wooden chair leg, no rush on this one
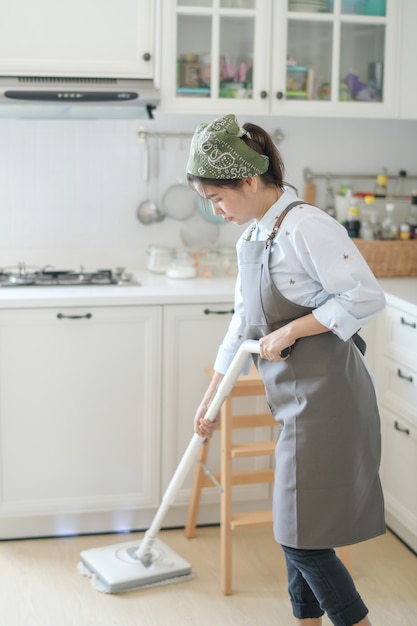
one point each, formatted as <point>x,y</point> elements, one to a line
<point>196,489</point>
<point>345,555</point>
<point>226,498</point>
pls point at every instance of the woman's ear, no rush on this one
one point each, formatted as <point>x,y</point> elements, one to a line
<point>252,183</point>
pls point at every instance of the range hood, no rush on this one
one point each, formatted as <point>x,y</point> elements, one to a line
<point>77,98</point>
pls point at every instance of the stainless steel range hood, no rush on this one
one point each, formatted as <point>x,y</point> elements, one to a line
<point>77,98</point>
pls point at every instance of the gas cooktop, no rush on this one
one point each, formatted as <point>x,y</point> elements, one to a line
<point>48,276</point>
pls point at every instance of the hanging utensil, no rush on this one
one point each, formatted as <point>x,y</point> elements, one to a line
<point>147,212</point>
<point>179,201</point>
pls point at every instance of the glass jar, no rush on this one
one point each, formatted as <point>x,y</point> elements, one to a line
<point>209,264</point>
<point>183,266</point>
<point>228,260</point>
<point>159,258</point>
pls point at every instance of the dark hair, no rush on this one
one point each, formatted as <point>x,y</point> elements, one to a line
<point>259,140</point>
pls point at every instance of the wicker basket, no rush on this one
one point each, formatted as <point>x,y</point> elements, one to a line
<point>390,258</point>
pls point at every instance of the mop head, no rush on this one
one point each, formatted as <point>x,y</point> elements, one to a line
<point>116,568</point>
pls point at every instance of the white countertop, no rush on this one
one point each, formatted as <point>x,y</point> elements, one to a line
<point>401,292</point>
<point>157,289</point>
<point>154,289</point>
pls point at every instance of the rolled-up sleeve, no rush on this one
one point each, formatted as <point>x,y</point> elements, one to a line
<point>235,334</point>
<point>351,295</point>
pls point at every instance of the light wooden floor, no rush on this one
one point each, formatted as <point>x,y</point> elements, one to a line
<point>40,584</point>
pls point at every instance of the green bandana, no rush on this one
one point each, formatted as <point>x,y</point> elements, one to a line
<point>217,152</point>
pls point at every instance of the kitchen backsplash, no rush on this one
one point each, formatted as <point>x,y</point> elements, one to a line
<point>69,189</point>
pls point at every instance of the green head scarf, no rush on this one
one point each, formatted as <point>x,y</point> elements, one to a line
<point>218,152</point>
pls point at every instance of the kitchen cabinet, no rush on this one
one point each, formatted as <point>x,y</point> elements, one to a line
<point>397,396</point>
<point>399,475</point>
<point>79,419</point>
<point>407,49</point>
<point>192,335</point>
<point>113,39</point>
<point>324,58</point>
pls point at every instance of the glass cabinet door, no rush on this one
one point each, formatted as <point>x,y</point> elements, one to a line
<point>336,50</point>
<point>217,42</point>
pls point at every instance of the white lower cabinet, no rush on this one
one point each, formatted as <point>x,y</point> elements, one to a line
<point>399,475</point>
<point>397,395</point>
<point>79,419</point>
<point>192,335</point>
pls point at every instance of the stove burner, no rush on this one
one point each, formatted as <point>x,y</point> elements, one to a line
<point>23,276</point>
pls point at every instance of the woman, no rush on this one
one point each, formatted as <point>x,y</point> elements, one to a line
<point>303,291</point>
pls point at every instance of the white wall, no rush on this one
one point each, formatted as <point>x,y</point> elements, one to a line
<point>69,188</point>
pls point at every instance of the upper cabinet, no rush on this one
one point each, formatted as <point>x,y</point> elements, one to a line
<point>407,68</point>
<point>293,57</point>
<point>77,39</point>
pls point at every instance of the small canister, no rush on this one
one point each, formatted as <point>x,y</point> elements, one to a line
<point>404,232</point>
<point>159,258</point>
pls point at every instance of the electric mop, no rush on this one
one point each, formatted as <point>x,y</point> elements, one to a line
<point>128,566</point>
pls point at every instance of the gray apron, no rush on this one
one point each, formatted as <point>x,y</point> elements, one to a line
<point>327,491</point>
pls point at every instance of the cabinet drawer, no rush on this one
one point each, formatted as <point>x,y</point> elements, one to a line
<point>400,335</point>
<point>397,387</point>
<point>399,468</point>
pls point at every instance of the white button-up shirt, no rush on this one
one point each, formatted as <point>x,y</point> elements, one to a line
<point>313,263</point>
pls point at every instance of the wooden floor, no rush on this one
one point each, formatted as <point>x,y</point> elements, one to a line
<point>40,584</point>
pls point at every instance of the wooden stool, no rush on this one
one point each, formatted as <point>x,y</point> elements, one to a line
<point>250,385</point>
<point>245,386</point>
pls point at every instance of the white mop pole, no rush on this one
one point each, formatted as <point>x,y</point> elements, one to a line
<point>235,368</point>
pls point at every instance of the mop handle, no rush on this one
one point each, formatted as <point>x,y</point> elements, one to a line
<point>190,455</point>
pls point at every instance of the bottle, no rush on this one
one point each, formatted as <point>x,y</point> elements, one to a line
<point>366,231</point>
<point>404,232</point>
<point>399,184</point>
<point>389,230</point>
<point>381,185</point>
<point>412,218</point>
<point>369,200</point>
<point>353,223</point>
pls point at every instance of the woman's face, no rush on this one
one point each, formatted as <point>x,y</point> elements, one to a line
<point>235,204</point>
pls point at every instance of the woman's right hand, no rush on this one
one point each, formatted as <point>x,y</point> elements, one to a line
<point>203,426</point>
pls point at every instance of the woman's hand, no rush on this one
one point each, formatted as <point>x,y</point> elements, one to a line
<point>276,343</point>
<point>203,426</point>
<point>276,346</point>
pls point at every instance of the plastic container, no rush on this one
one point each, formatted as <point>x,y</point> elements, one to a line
<point>297,76</point>
<point>159,258</point>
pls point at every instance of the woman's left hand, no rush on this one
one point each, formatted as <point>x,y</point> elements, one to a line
<point>276,346</point>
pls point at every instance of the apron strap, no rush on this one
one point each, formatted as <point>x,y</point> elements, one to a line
<point>278,223</point>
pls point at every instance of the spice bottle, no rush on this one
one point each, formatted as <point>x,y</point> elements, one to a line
<point>412,218</point>
<point>389,230</point>
<point>400,184</point>
<point>353,223</point>
<point>404,232</point>
<point>369,200</point>
<point>381,185</point>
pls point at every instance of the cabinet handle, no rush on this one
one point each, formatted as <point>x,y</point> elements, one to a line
<point>146,56</point>
<point>210,312</point>
<point>279,95</point>
<point>412,324</point>
<point>61,316</point>
<point>402,430</point>
<point>403,376</point>
<point>264,94</point>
